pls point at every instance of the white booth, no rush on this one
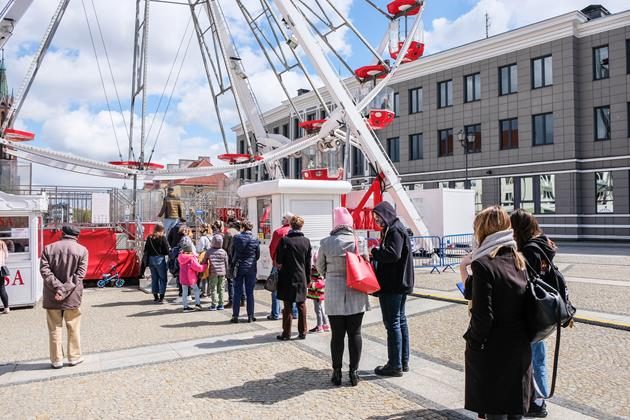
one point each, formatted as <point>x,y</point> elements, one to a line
<point>313,200</point>
<point>20,221</point>
<point>445,211</point>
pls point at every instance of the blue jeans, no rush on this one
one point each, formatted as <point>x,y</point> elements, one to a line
<point>275,307</point>
<point>157,265</point>
<point>185,294</point>
<point>230,287</point>
<point>395,320</point>
<point>248,280</point>
<point>539,368</point>
<point>168,224</point>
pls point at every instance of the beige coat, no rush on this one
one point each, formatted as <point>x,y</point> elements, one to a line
<point>63,267</point>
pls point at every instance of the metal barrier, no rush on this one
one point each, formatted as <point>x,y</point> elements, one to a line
<point>427,252</point>
<point>454,248</point>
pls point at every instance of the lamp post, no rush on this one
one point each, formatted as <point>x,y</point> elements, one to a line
<point>465,141</point>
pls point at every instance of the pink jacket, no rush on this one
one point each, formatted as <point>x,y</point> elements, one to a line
<point>188,269</point>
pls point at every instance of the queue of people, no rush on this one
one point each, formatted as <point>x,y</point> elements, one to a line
<point>505,375</point>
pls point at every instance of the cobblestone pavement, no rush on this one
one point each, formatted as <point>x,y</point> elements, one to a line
<point>115,319</point>
<point>274,381</point>
<point>594,365</point>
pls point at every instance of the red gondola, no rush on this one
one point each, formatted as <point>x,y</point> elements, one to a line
<point>380,118</point>
<point>132,164</point>
<point>377,71</point>
<point>321,174</point>
<point>234,158</point>
<point>311,126</point>
<point>406,7</point>
<point>415,51</point>
<point>12,134</point>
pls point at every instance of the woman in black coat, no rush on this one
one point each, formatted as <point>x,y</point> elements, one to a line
<point>294,262</point>
<point>498,353</point>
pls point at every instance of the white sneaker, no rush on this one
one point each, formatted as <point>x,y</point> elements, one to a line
<point>57,365</point>
<point>6,310</point>
<point>75,362</point>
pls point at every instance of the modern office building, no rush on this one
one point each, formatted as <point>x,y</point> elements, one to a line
<point>544,111</point>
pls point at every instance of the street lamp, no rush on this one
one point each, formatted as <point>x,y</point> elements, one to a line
<point>466,141</point>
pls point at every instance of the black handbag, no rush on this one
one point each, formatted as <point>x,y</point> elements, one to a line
<point>271,284</point>
<point>4,271</point>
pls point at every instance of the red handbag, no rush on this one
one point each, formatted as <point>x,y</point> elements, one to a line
<point>360,275</point>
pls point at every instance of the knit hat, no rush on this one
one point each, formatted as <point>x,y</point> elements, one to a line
<point>217,241</point>
<point>70,230</point>
<point>341,216</point>
<point>187,248</point>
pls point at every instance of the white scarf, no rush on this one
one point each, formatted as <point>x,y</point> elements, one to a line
<point>492,243</point>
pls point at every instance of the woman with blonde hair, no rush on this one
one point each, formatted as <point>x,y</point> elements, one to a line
<point>498,353</point>
<point>4,255</point>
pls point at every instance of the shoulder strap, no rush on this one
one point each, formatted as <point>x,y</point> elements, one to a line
<point>544,254</point>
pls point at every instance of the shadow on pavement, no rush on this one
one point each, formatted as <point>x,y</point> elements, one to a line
<point>233,342</point>
<point>426,413</point>
<point>23,367</point>
<point>146,302</point>
<point>158,312</point>
<point>283,386</point>
<point>194,324</point>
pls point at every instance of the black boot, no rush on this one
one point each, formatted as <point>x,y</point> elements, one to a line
<point>161,297</point>
<point>336,377</point>
<point>354,377</point>
<point>156,299</point>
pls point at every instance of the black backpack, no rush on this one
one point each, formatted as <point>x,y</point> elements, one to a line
<point>173,263</point>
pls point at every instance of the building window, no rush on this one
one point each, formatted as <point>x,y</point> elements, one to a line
<point>296,129</point>
<point>285,167</point>
<point>628,56</point>
<point>276,130</point>
<point>285,130</point>
<point>476,185</point>
<point>542,72</point>
<point>311,116</point>
<point>473,130</point>
<point>445,94</point>
<point>543,129</point>
<point>472,87</point>
<point>604,192</point>
<point>508,133</point>
<point>445,142</point>
<point>508,80</point>
<point>527,194</point>
<point>358,167</point>
<point>547,194</point>
<point>415,100</point>
<point>507,193</point>
<point>393,149</point>
<point>396,104</point>
<point>415,147</point>
<point>600,63</point>
<point>297,168</point>
<point>602,123</point>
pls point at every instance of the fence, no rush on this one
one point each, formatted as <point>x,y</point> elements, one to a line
<point>440,253</point>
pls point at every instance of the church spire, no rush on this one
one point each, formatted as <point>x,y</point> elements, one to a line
<point>4,85</point>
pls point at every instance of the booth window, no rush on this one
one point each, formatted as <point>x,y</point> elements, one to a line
<point>263,206</point>
<point>14,231</point>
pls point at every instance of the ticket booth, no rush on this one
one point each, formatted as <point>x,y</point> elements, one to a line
<point>20,220</point>
<point>268,201</point>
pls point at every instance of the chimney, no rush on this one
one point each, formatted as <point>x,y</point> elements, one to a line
<point>595,11</point>
<point>302,91</point>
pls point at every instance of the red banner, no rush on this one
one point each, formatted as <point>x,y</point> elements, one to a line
<point>101,245</point>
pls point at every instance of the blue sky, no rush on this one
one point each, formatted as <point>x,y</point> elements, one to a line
<point>67,111</point>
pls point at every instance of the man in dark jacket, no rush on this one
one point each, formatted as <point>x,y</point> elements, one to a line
<point>394,270</point>
<point>63,266</point>
<point>245,254</point>
<point>171,209</point>
<point>234,227</point>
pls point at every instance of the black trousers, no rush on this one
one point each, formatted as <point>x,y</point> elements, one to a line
<point>3,294</point>
<point>340,326</point>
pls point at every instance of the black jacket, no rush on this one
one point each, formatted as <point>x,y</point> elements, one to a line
<point>533,255</point>
<point>498,354</point>
<point>394,262</point>
<point>156,246</point>
<point>294,255</point>
<point>174,236</point>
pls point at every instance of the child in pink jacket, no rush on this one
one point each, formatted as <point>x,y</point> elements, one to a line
<point>188,269</point>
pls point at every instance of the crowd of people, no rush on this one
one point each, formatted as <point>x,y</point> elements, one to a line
<point>505,374</point>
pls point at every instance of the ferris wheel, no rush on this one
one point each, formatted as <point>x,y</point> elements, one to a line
<point>294,36</point>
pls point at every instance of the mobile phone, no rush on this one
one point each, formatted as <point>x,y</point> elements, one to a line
<point>461,287</point>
